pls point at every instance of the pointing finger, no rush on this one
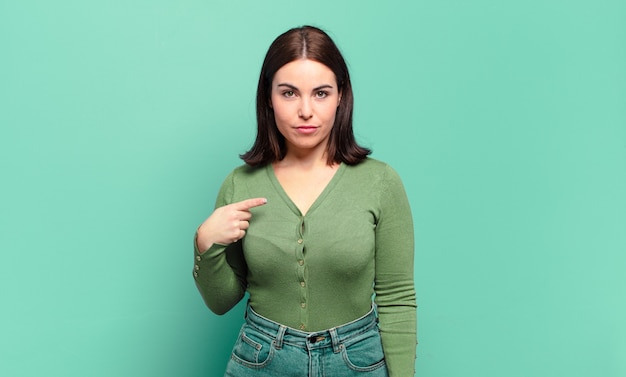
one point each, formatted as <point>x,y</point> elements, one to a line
<point>245,205</point>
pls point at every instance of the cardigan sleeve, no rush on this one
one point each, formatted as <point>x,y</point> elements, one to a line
<point>394,282</point>
<point>220,271</point>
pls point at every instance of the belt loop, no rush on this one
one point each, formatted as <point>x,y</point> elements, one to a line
<point>335,339</point>
<point>375,310</point>
<point>278,343</point>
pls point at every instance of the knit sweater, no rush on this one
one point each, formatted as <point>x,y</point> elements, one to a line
<point>321,270</point>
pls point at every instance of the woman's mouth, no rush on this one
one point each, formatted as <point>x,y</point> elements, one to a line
<point>306,129</point>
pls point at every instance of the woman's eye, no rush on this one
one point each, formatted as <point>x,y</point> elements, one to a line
<point>321,94</point>
<point>288,93</point>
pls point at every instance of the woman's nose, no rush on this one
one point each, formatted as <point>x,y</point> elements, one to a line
<point>305,111</point>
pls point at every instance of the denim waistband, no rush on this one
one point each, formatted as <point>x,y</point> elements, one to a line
<point>333,336</point>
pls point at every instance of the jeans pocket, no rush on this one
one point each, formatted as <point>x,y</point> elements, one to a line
<point>365,352</point>
<point>253,348</point>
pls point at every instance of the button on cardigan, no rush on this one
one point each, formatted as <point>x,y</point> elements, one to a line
<point>323,269</point>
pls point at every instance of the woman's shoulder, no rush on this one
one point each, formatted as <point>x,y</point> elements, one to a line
<point>246,171</point>
<point>241,178</point>
<point>379,179</point>
<point>245,174</point>
<point>374,169</point>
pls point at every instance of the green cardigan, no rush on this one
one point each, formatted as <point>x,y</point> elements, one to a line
<point>321,270</point>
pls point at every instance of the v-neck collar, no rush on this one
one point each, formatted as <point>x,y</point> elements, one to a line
<point>294,208</point>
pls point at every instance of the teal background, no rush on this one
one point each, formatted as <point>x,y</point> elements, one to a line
<point>506,120</point>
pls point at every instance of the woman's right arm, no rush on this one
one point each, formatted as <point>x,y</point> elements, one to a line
<point>219,266</point>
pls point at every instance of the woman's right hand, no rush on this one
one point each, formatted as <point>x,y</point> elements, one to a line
<point>226,224</point>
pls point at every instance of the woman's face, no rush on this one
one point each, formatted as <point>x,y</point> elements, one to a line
<point>305,97</point>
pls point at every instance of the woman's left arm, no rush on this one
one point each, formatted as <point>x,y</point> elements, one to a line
<point>394,281</point>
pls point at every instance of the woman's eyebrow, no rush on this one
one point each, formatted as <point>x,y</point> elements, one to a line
<point>325,86</point>
<point>293,87</point>
<point>287,85</point>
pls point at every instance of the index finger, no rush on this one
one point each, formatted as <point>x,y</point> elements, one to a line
<point>245,205</point>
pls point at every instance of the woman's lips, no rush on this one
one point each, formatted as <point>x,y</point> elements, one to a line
<point>306,129</point>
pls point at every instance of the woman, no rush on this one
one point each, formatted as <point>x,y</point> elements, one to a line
<point>312,229</point>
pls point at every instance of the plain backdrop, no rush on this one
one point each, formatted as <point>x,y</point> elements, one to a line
<point>505,119</point>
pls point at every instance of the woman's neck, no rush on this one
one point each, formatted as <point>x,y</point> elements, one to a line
<point>304,159</point>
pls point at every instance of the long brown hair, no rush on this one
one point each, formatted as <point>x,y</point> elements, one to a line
<point>306,42</point>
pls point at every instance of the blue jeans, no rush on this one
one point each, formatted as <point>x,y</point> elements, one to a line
<point>268,349</point>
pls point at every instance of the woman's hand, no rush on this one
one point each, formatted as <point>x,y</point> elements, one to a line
<point>227,224</point>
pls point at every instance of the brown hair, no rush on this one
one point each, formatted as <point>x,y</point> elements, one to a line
<point>306,42</point>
